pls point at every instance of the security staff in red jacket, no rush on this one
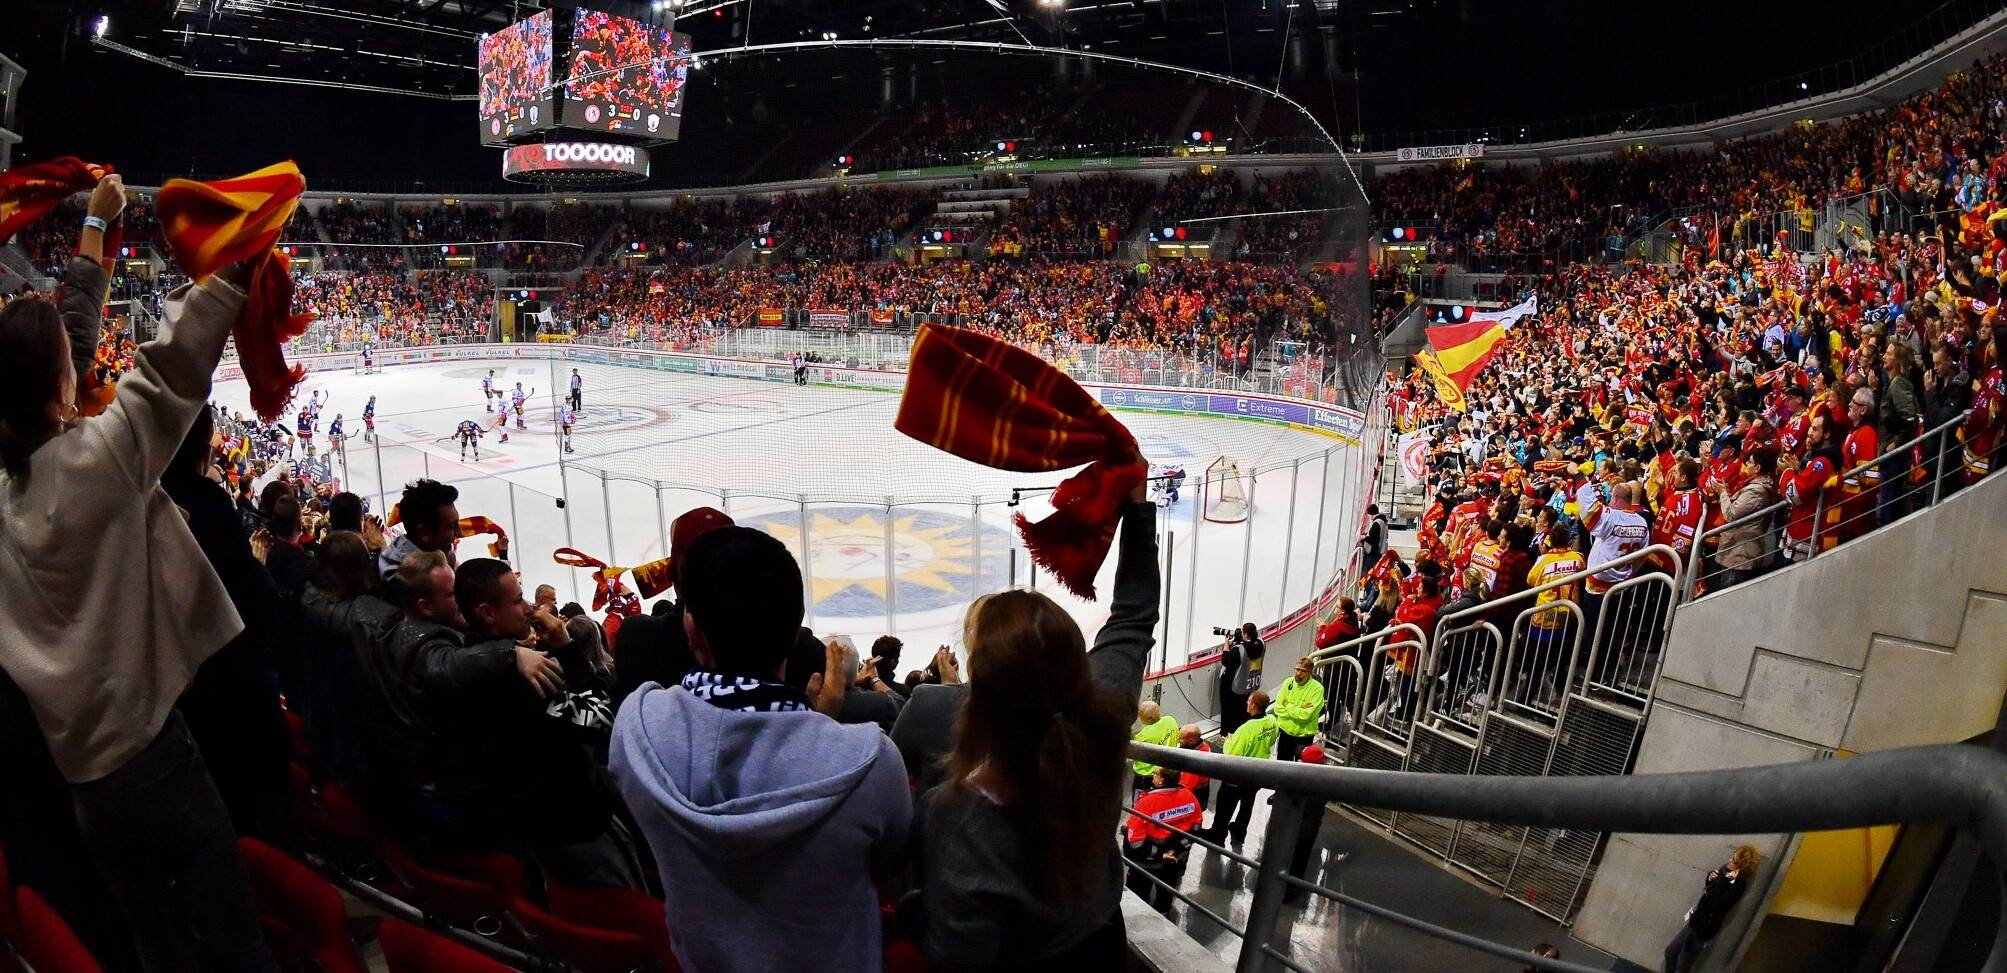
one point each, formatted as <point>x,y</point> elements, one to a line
<point>1154,841</point>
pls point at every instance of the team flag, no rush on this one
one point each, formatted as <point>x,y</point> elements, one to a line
<point>1447,389</point>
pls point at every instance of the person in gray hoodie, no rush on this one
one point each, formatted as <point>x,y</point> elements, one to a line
<point>769,820</point>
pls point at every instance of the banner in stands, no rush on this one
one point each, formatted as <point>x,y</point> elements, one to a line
<point>770,317</point>
<point>882,318</point>
<point>823,317</point>
<point>1439,153</point>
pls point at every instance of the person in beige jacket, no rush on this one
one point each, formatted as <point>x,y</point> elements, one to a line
<point>110,606</point>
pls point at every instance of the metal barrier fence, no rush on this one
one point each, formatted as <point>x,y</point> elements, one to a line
<point>1305,374</point>
<point>1539,683</point>
<point>1957,785</point>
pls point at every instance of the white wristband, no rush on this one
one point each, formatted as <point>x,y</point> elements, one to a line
<point>96,223</point>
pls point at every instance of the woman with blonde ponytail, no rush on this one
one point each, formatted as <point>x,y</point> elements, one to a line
<point>1019,864</point>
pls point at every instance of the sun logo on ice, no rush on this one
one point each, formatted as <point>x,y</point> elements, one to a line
<point>934,558</point>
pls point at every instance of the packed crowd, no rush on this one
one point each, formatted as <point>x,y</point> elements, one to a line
<point>1074,217</point>
<point>1200,308</point>
<point>298,674</point>
<point>1937,152</point>
<point>1746,413</point>
<point>432,307</point>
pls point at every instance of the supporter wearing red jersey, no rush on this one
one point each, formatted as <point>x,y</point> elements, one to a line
<point>1792,430</point>
<point>1982,430</point>
<point>1860,488</point>
<point>1811,484</point>
<point>1678,523</point>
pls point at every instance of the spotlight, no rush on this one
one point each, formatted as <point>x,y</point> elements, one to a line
<point>102,26</point>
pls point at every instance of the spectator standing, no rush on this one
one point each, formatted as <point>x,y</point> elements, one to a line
<point>82,498</point>
<point>763,813</point>
<point>867,698</point>
<point>886,649</point>
<point>655,647</point>
<point>1299,704</point>
<point>431,523</point>
<point>1254,738</point>
<point>926,724</point>
<point>1373,542</point>
<point>232,706</point>
<point>1900,416</point>
<point>1306,832</point>
<point>1723,890</point>
<point>1017,869</point>
<point>1748,550</point>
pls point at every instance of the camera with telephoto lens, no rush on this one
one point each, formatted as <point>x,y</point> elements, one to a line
<point>1229,633</point>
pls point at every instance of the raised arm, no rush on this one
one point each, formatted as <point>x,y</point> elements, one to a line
<point>1122,647</point>
<point>85,280</point>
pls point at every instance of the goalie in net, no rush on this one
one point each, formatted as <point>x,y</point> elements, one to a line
<point>1223,492</point>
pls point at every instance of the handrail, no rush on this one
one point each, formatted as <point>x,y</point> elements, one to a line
<point>1485,608</point>
<point>1962,785</point>
<point>1781,505</point>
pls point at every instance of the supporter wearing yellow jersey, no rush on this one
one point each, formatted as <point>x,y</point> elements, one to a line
<point>1558,561</point>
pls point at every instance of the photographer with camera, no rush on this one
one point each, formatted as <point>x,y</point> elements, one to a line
<point>1240,673</point>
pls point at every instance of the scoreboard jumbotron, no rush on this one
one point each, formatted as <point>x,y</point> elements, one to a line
<point>584,91</point>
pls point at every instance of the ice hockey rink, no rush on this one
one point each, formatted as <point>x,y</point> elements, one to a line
<point>822,469</point>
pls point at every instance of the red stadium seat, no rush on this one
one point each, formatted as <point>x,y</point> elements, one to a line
<point>409,949</point>
<point>588,949</point>
<point>624,910</point>
<point>474,894</point>
<point>46,940</point>
<point>10,919</point>
<point>303,915</point>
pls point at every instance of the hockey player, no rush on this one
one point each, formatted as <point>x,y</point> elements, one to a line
<point>502,424</point>
<point>565,417</point>
<point>369,420</point>
<point>516,398</point>
<point>469,434</point>
<point>368,359</point>
<point>305,426</point>
<point>489,393</point>
<point>334,434</point>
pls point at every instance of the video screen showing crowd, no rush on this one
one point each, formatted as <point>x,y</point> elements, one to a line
<point>514,68</point>
<point>626,76</point>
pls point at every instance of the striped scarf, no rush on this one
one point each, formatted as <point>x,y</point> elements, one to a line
<point>996,404</point>
<point>650,579</point>
<point>211,225</point>
<point>744,694</point>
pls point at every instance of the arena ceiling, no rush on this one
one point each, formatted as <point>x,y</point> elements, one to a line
<point>393,68</point>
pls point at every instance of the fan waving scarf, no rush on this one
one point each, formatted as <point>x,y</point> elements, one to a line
<point>26,194</point>
<point>211,225</point>
<point>999,405</point>
<point>650,579</point>
<point>474,526</point>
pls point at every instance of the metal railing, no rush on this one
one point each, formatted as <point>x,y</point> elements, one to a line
<point>1877,492</point>
<point>1957,785</point>
<point>1541,696</point>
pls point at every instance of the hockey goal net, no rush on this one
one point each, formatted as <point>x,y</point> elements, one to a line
<point>1224,492</point>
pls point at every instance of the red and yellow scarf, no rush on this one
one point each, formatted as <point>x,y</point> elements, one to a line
<point>999,405</point>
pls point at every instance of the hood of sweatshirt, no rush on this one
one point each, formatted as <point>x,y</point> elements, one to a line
<point>737,784</point>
